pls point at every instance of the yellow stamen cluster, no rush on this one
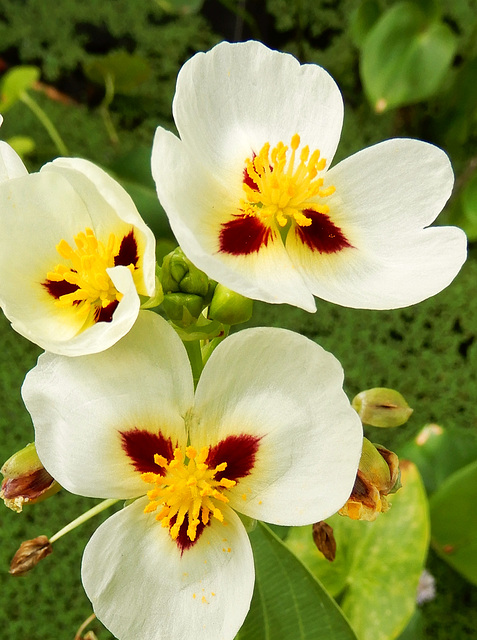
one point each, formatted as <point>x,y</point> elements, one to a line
<point>86,269</point>
<point>187,489</point>
<point>283,193</point>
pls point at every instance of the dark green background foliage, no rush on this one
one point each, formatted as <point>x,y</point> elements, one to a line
<point>428,351</point>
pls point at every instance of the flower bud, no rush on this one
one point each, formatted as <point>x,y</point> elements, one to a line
<point>29,555</point>
<point>229,307</point>
<point>324,539</point>
<point>26,480</point>
<point>382,407</point>
<point>183,308</point>
<point>178,274</point>
<point>378,475</point>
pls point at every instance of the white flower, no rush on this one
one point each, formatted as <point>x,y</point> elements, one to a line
<point>269,433</point>
<point>253,202</point>
<point>74,255</point>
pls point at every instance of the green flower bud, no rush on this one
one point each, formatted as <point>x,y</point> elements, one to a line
<point>178,274</point>
<point>378,475</point>
<point>229,307</point>
<point>183,309</point>
<point>382,407</point>
<point>26,480</point>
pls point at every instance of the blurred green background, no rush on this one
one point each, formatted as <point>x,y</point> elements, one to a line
<point>105,77</point>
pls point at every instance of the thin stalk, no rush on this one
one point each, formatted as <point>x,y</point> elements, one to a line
<point>46,122</point>
<point>104,108</point>
<point>84,517</point>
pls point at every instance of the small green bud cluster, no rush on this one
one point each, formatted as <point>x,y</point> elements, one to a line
<point>188,291</point>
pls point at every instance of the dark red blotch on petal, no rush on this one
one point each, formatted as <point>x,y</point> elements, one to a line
<point>239,452</point>
<point>183,541</point>
<point>322,235</point>
<point>127,251</point>
<point>243,235</point>
<point>60,288</point>
<point>105,314</point>
<point>140,446</point>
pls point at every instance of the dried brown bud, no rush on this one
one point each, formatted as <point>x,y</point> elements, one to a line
<point>378,475</point>
<point>324,539</point>
<point>26,480</point>
<point>29,555</point>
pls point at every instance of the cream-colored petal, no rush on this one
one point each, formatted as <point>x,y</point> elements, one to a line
<point>196,215</point>
<point>143,588</point>
<point>385,197</point>
<point>11,165</point>
<point>286,392</point>
<point>108,204</point>
<point>80,405</point>
<point>234,98</point>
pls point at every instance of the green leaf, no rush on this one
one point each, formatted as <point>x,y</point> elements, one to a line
<point>126,70</point>
<point>362,19</point>
<point>405,57</point>
<point>438,454</point>
<point>14,83</point>
<point>288,602</point>
<point>454,522</point>
<point>378,564</point>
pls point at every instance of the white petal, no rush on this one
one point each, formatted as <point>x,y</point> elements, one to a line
<point>142,588</point>
<point>385,196</point>
<point>37,212</point>
<point>286,390</point>
<point>80,405</point>
<point>11,165</point>
<point>196,215</point>
<point>236,97</point>
<point>107,202</point>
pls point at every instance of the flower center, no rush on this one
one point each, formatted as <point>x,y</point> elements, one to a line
<point>187,488</point>
<point>275,190</point>
<point>83,283</point>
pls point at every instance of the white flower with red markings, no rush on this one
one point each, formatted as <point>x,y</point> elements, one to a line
<point>253,201</point>
<point>268,433</point>
<point>75,255</point>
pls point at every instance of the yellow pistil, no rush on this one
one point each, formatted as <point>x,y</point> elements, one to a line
<point>282,192</point>
<point>188,489</point>
<point>84,275</point>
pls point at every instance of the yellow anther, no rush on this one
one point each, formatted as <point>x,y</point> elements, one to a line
<point>279,191</point>
<point>187,493</point>
<point>160,460</point>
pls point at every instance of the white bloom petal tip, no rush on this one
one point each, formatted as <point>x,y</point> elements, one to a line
<point>264,214</point>
<point>77,255</point>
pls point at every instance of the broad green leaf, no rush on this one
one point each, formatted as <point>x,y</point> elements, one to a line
<point>405,57</point>
<point>133,171</point>
<point>469,205</point>
<point>454,521</point>
<point>362,19</point>
<point>127,71</point>
<point>378,564</point>
<point>288,602</point>
<point>438,454</point>
<point>14,83</point>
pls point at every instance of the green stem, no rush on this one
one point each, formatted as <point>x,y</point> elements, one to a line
<point>84,517</point>
<point>195,357</point>
<point>211,345</point>
<point>46,122</point>
<point>104,108</point>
